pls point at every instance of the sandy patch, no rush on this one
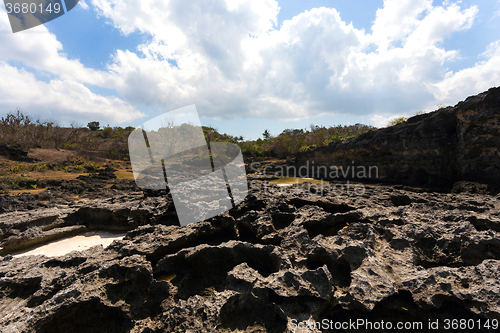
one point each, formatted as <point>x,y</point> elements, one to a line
<point>124,174</point>
<point>37,191</point>
<point>289,181</point>
<point>75,243</point>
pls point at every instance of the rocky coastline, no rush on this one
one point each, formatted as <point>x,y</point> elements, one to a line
<point>390,254</point>
<point>295,258</point>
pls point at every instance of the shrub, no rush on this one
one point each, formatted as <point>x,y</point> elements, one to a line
<point>106,133</point>
<point>38,167</point>
<point>21,130</point>
<point>80,168</point>
<point>397,121</point>
<point>17,168</point>
<point>93,125</point>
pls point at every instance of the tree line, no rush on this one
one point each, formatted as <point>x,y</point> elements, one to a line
<point>19,129</point>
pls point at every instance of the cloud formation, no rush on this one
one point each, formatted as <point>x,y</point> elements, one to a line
<point>60,99</point>
<point>83,4</point>
<point>64,97</point>
<point>231,59</point>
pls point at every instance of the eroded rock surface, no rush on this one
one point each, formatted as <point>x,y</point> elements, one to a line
<point>64,192</point>
<point>387,254</point>
<point>436,149</point>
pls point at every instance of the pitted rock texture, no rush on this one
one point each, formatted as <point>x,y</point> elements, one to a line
<point>21,230</point>
<point>66,192</point>
<point>437,149</point>
<point>389,254</point>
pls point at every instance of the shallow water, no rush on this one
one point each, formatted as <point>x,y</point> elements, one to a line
<point>75,243</point>
<point>286,181</point>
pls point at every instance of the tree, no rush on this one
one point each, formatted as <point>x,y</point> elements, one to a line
<point>93,125</point>
<point>266,135</point>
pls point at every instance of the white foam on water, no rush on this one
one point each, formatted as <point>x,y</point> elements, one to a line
<point>75,243</point>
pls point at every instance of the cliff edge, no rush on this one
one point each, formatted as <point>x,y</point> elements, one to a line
<point>452,144</point>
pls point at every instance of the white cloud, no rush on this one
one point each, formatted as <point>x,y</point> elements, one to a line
<point>61,99</point>
<point>385,120</point>
<point>381,121</point>
<point>83,4</point>
<point>397,19</point>
<point>230,58</point>
<point>314,64</point>
<point>64,97</point>
<point>485,74</point>
<point>40,49</point>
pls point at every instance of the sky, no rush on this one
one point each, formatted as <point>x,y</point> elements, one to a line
<point>250,65</point>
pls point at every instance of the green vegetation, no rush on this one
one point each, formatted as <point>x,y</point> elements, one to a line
<point>23,131</point>
<point>292,141</point>
<point>38,167</point>
<point>211,135</point>
<point>79,168</point>
<point>17,168</point>
<point>401,120</point>
<point>397,121</point>
<point>18,129</point>
<point>115,132</point>
<point>93,143</point>
<point>93,125</point>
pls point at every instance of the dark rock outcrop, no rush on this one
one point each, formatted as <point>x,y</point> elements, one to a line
<point>15,153</point>
<point>65,192</point>
<point>105,174</point>
<point>19,231</point>
<point>280,258</point>
<point>437,149</point>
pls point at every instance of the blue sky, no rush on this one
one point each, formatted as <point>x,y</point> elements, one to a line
<point>250,65</point>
